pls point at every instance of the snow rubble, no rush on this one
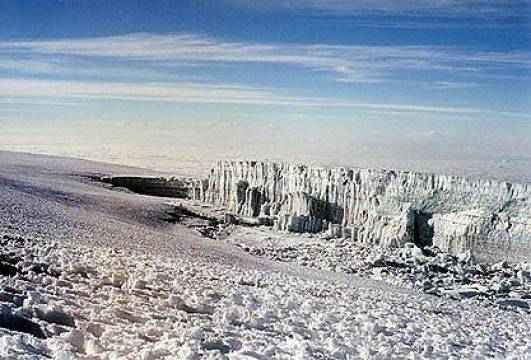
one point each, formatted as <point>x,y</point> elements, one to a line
<point>429,270</point>
<point>387,208</point>
<point>101,303</point>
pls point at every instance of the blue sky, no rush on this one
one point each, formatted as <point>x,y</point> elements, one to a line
<point>395,77</point>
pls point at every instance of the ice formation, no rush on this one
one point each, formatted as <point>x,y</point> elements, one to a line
<point>89,271</point>
<point>491,220</point>
<point>156,186</point>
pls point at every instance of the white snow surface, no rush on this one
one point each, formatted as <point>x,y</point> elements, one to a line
<point>140,287</point>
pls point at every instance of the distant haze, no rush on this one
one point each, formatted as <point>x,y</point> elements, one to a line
<point>192,149</point>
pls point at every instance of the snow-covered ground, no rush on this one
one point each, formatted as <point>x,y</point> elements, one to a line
<point>429,269</point>
<point>93,273</point>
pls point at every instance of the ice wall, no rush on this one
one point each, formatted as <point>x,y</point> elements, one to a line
<point>156,186</point>
<point>383,207</point>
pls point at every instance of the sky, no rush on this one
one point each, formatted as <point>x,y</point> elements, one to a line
<point>411,83</point>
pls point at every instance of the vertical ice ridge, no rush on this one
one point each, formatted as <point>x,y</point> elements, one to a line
<point>373,206</point>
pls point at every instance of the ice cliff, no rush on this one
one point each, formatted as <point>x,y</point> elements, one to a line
<point>156,186</point>
<point>491,220</point>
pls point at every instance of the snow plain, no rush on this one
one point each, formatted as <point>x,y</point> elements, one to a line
<point>105,274</point>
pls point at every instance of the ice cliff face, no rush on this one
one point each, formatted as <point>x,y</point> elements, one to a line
<point>381,207</point>
<point>160,186</point>
<point>304,199</point>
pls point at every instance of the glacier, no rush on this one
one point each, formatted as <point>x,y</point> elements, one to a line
<point>490,220</point>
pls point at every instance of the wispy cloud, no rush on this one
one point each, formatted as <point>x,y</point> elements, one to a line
<point>22,101</point>
<point>201,93</point>
<point>457,8</point>
<point>144,67</point>
<point>420,23</point>
<point>451,85</point>
<point>53,65</point>
<point>347,63</point>
<point>115,90</point>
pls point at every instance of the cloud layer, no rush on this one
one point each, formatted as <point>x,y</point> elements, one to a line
<point>193,93</point>
<point>474,8</point>
<point>346,63</point>
<point>146,67</point>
